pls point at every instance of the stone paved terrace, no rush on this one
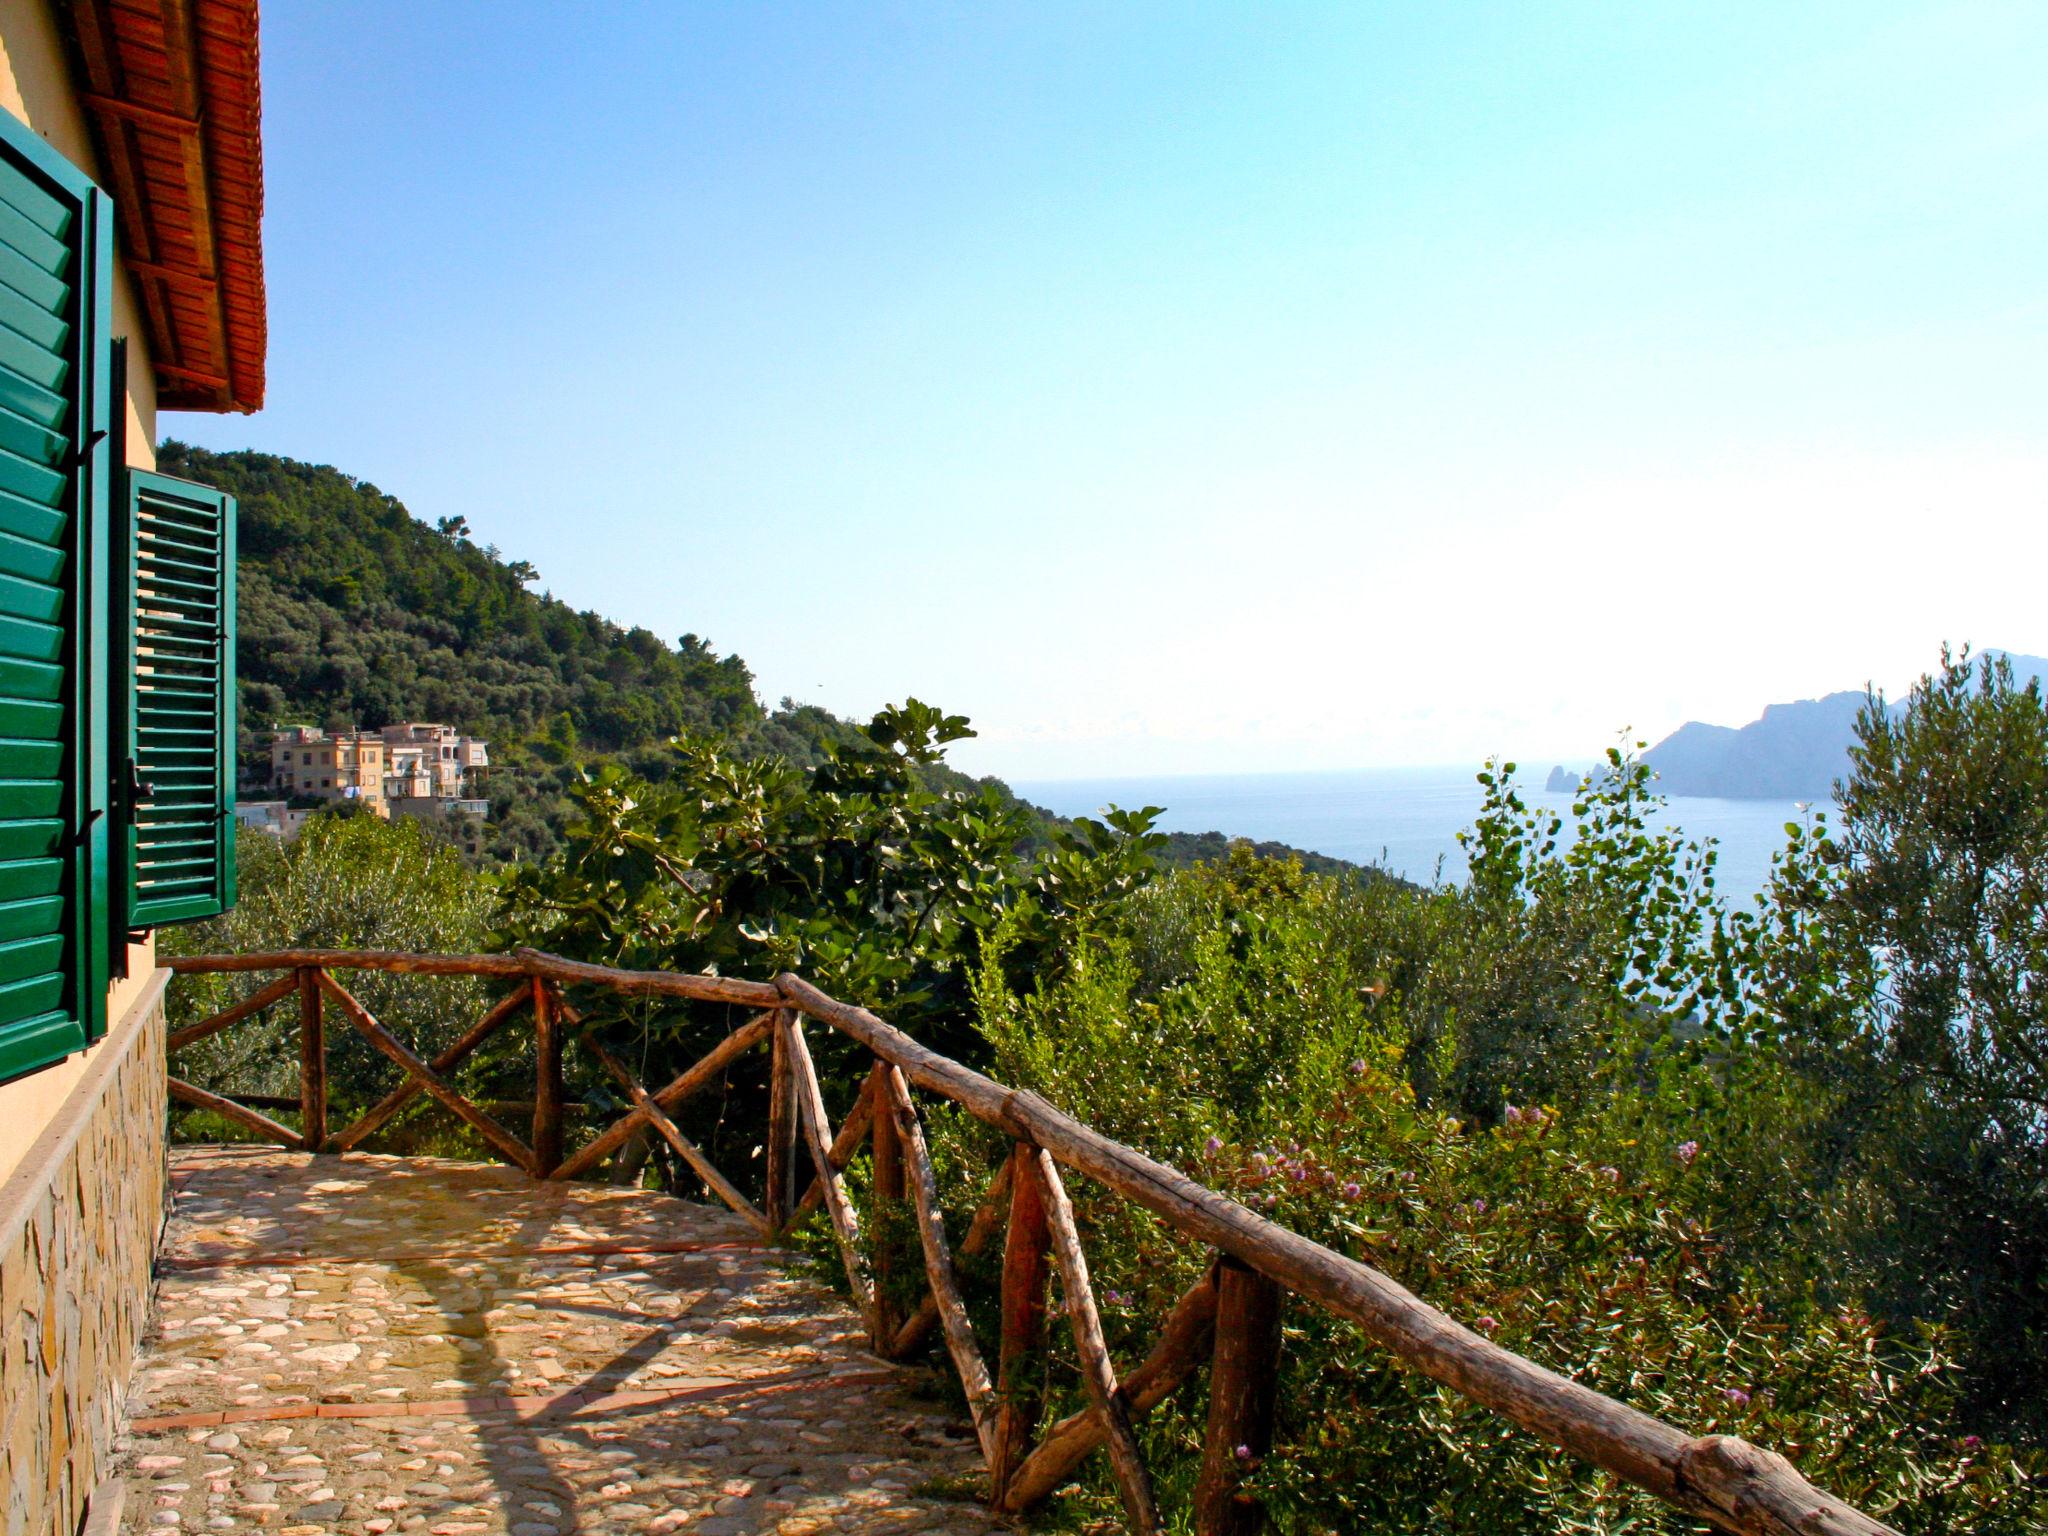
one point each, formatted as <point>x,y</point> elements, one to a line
<point>364,1344</point>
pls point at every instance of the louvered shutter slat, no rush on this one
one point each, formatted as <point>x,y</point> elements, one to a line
<point>179,573</point>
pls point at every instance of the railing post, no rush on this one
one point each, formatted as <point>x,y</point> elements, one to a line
<point>312,1061</point>
<point>1027,1269</point>
<point>547,1083</point>
<point>885,1233</point>
<point>1243,1377</point>
<point>779,1199</point>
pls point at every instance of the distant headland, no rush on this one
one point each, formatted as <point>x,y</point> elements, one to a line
<point>1793,751</point>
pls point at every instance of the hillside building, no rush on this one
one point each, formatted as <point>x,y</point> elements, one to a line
<point>350,765</point>
<point>452,763</point>
<point>414,768</point>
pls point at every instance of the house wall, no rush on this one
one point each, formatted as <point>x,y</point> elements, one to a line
<point>83,1191</point>
<point>36,86</point>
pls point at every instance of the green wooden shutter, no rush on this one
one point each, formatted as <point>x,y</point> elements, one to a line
<point>55,247</point>
<point>175,558</point>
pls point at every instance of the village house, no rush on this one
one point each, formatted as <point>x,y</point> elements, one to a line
<point>351,765</point>
<point>410,769</point>
<point>450,763</point>
<point>131,282</point>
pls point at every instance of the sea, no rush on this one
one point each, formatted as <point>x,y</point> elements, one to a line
<point>1405,820</point>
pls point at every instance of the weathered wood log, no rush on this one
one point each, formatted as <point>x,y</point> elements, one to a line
<point>1244,1374</point>
<point>1027,1273</point>
<point>707,989</point>
<point>1626,1441</point>
<point>1133,1482</point>
<point>1182,1348</point>
<point>810,1102</point>
<point>778,1196</point>
<point>1763,1493</point>
<point>886,1203</point>
<point>380,1113</point>
<point>685,1148</point>
<point>938,1259</point>
<point>988,1217</point>
<point>524,962</point>
<point>312,1062</point>
<point>275,992</point>
<point>547,1080</point>
<point>397,961</point>
<point>705,1072</point>
<point>507,1146</point>
<point>853,1131</point>
<point>241,1114</point>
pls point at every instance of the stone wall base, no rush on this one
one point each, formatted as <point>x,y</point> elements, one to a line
<point>79,1222</point>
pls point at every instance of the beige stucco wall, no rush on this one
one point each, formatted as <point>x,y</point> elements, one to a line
<point>36,85</point>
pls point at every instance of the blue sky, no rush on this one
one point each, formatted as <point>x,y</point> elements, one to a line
<point>1190,388</point>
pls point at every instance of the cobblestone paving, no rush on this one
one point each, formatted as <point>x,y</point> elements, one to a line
<point>370,1344</point>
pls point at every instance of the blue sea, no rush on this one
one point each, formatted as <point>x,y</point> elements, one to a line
<point>1405,820</point>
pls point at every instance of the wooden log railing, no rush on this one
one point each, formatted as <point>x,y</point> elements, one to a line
<point>1229,1321</point>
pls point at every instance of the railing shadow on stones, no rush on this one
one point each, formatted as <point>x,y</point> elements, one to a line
<point>1229,1320</point>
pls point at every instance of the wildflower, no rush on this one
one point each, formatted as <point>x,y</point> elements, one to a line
<point>1244,1453</point>
<point>1514,1115</point>
<point>1213,1145</point>
<point>1478,1207</point>
<point>1298,1172</point>
<point>1358,1067</point>
<point>1736,1396</point>
<point>1407,1177</point>
<point>1488,1325</point>
<point>1973,1442</point>
<point>1610,1174</point>
<point>1350,1191</point>
<point>1687,1151</point>
<point>1116,1298</point>
<point>1258,1159</point>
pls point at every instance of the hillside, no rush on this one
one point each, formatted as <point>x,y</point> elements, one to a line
<point>354,613</point>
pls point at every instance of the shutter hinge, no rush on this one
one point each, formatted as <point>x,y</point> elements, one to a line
<point>78,838</point>
<point>84,450</point>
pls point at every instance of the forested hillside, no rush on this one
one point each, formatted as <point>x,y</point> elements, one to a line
<point>354,613</point>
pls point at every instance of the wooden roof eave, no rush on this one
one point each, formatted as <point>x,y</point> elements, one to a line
<point>174,95</point>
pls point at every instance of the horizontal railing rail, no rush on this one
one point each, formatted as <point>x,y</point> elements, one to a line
<point>1229,1320</point>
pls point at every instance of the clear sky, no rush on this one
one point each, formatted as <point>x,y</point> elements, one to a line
<point>1186,387</point>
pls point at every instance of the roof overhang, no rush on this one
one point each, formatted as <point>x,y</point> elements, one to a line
<point>171,87</point>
